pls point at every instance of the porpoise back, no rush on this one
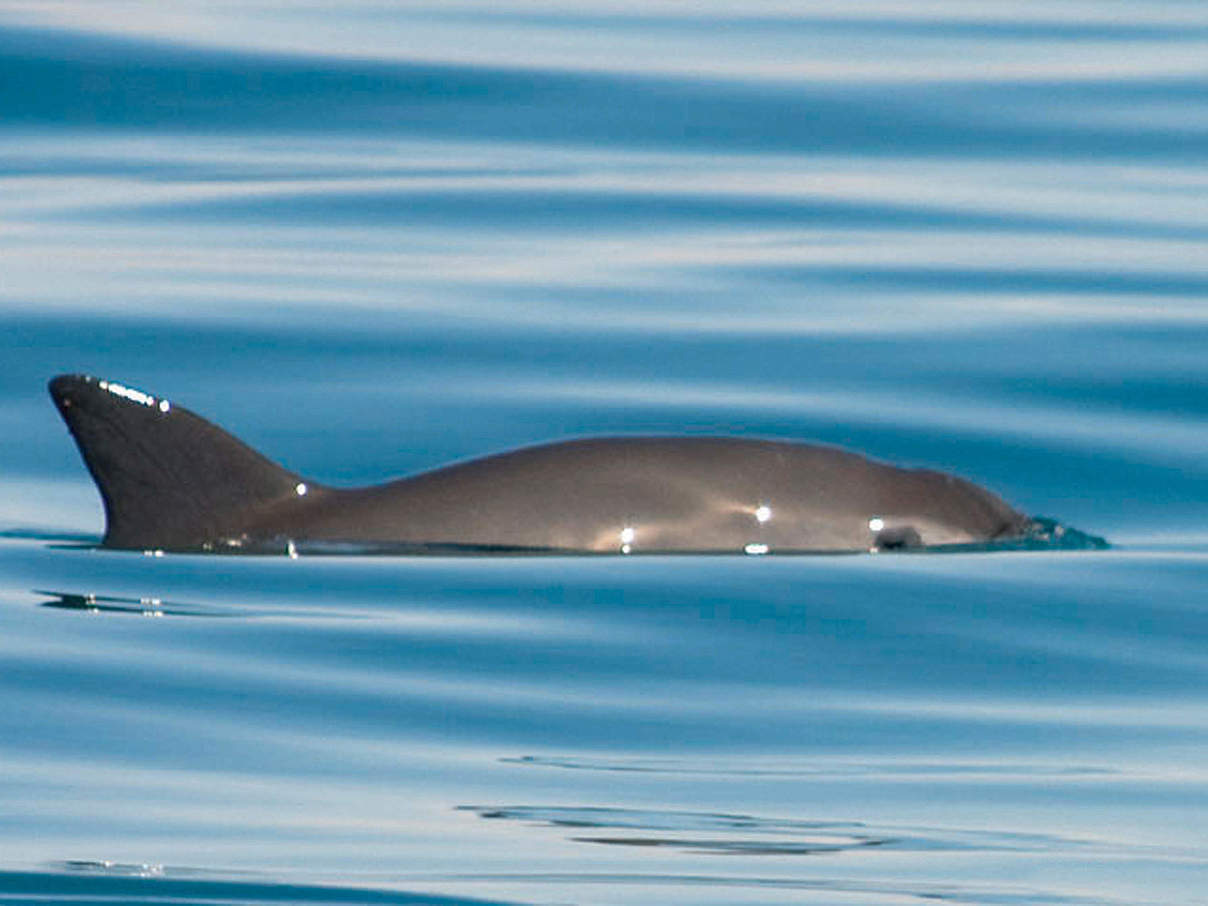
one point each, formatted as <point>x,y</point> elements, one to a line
<point>171,480</point>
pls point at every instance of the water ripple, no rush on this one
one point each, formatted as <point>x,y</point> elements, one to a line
<point>754,835</point>
<point>86,80</point>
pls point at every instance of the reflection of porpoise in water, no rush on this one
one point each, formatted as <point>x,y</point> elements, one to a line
<point>171,480</point>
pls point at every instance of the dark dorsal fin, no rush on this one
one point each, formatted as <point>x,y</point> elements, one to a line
<point>168,478</point>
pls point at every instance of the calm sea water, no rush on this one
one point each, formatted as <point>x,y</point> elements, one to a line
<point>371,238</point>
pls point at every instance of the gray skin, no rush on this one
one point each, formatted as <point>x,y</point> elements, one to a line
<point>171,480</point>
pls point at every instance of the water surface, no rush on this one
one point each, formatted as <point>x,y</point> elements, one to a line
<point>370,239</point>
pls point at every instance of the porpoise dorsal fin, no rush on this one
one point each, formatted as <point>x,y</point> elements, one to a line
<point>168,478</point>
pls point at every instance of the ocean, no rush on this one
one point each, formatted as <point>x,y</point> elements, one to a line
<point>371,238</point>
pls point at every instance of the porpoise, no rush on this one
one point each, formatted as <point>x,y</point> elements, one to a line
<point>170,480</point>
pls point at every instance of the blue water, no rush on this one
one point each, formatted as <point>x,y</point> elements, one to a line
<point>370,239</point>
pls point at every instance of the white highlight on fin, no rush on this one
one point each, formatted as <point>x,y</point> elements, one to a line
<point>129,393</point>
